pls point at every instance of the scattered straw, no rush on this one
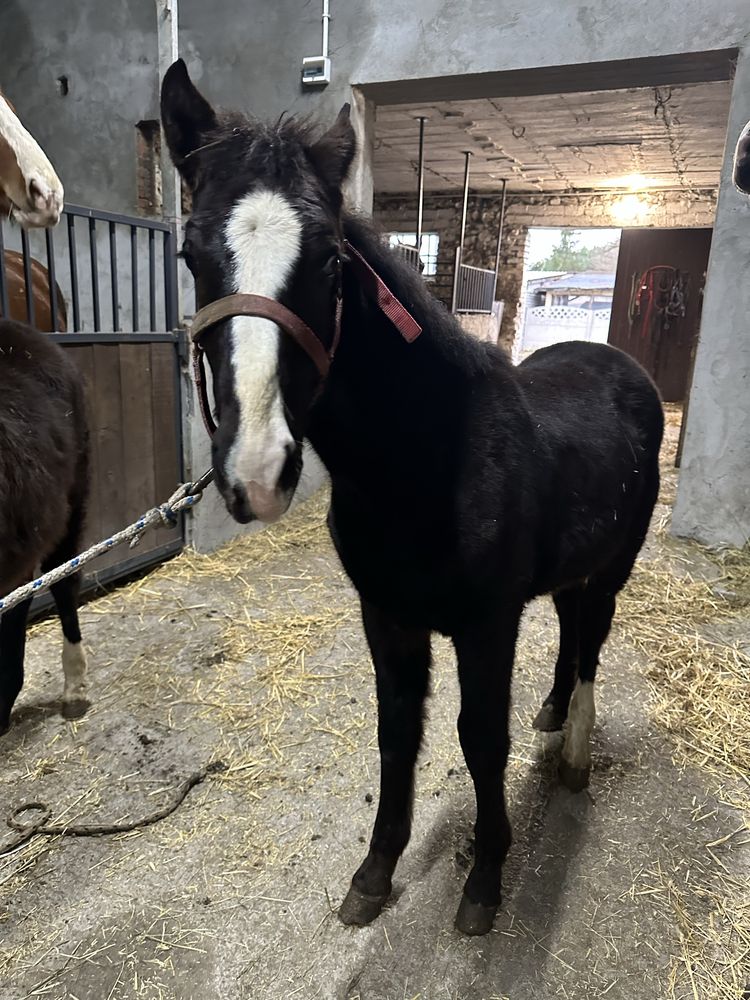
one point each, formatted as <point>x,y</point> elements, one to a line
<point>695,636</point>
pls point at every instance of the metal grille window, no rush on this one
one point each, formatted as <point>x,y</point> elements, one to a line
<point>428,251</point>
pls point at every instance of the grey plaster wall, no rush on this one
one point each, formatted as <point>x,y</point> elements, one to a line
<point>107,50</point>
<point>713,497</point>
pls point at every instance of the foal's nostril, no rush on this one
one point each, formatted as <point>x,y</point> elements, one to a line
<point>36,194</point>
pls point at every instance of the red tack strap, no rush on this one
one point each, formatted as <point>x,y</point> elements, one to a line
<point>381,294</point>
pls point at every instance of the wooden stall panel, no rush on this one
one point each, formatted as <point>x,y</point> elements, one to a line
<point>134,412</point>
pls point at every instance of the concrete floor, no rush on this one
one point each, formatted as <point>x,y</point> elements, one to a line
<point>256,658</point>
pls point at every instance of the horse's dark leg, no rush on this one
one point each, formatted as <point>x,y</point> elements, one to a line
<point>12,648</point>
<point>597,609</point>
<point>485,664</point>
<point>65,593</point>
<point>598,601</point>
<point>74,701</point>
<point>402,662</point>
<point>554,710</point>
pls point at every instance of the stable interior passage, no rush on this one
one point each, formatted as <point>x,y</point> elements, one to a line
<point>642,159</point>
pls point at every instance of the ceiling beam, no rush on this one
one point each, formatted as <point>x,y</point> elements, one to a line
<point>654,71</point>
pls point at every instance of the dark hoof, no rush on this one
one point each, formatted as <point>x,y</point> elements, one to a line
<point>360,909</point>
<point>474,918</point>
<point>76,708</point>
<point>548,719</point>
<point>574,778</point>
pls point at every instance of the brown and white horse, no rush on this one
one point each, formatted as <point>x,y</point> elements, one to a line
<point>30,190</point>
<point>32,194</point>
<point>741,174</point>
<point>44,443</point>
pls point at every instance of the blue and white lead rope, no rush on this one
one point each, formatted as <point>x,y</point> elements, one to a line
<point>188,495</point>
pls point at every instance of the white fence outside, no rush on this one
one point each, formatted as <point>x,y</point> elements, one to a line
<point>549,325</point>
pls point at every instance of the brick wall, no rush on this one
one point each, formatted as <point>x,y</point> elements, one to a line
<point>148,167</point>
<point>442,214</point>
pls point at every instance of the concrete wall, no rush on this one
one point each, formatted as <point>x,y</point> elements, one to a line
<point>108,53</point>
<point>442,214</point>
<point>713,497</point>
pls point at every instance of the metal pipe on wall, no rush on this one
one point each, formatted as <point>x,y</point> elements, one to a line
<point>500,226</point>
<point>420,183</point>
<point>465,206</point>
<point>326,19</point>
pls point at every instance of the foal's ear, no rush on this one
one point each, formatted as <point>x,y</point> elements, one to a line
<point>186,116</point>
<point>333,153</point>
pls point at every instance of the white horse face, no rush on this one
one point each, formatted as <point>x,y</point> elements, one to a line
<point>30,190</point>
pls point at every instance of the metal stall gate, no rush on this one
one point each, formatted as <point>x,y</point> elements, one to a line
<point>107,284</point>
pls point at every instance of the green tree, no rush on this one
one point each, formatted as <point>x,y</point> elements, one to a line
<point>604,257</point>
<point>566,256</point>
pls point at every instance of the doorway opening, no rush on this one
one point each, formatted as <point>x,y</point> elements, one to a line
<point>568,285</point>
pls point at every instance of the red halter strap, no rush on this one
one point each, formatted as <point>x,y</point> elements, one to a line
<point>384,298</point>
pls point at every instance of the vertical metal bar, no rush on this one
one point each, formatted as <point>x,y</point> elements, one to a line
<point>28,278</point>
<point>420,185</point>
<point>326,19</point>
<point>113,278</point>
<point>500,226</point>
<point>94,273</point>
<point>152,279</point>
<point>456,269</point>
<point>52,279</point>
<point>134,274</point>
<point>3,280</point>
<point>74,273</point>
<point>171,301</point>
<point>465,206</point>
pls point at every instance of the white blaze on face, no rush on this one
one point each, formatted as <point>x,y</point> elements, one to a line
<point>264,237</point>
<point>29,179</point>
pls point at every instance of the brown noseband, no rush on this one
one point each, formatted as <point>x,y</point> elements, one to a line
<point>265,308</point>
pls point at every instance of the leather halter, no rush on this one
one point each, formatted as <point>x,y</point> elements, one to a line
<point>242,304</point>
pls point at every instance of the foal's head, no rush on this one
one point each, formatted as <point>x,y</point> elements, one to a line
<point>265,220</point>
<point>30,190</point>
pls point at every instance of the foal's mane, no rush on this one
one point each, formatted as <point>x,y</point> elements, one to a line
<point>440,326</point>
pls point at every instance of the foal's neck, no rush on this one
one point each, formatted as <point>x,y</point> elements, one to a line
<point>390,407</point>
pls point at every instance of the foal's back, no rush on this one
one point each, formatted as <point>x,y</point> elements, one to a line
<point>599,424</point>
<point>43,444</point>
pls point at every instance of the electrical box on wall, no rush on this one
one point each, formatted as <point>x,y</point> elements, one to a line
<point>316,71</point>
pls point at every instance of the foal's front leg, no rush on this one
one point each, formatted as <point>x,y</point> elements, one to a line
<point>485,664</point>
<point>402,662</point>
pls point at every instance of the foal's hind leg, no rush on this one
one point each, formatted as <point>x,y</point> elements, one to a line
<point>554,710</point>
<point>402,662</point>
<point>74,701</point>
<point>12,649</point>
<point>597,610</point>
<point>485,664</point>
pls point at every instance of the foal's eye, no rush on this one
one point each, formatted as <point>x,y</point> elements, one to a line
<point>332,266</point>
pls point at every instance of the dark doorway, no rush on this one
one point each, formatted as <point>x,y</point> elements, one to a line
<point>657,302</point>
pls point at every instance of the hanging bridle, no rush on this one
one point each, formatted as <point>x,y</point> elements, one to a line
<point>242,304</point>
